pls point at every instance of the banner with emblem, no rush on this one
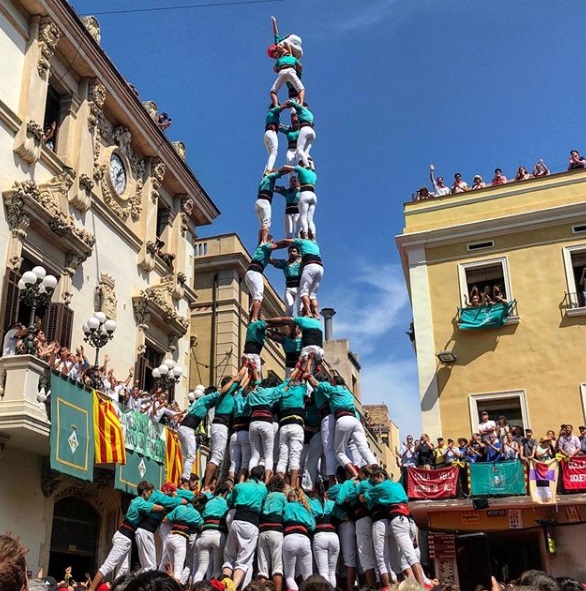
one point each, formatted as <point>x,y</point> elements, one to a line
<point>142,435</point>
<point>497,478</point>
<point>543,478</point>
<point>137,468</point>
<point>72,436</point>
<point>574,474</point>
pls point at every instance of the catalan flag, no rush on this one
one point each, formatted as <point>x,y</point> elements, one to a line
<point>173,457</point>
<point>108,438</point>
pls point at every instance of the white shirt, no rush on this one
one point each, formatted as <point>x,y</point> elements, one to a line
<point>9,344</point>
<point>485,429</point>
<point>440,191</point>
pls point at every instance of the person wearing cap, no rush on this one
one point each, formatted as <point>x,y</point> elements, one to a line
<point>499,178</point>
<point>254,275</point>
<point>486,427</point>
<point>181,521</point>
<point>477,183</point>
<point>439,188</point>
<point>119,556</point>
<point>144,536</point>
<point>247,498</point>
<point>292,270</point>
<point>271,137</point>
<point>439,453</point>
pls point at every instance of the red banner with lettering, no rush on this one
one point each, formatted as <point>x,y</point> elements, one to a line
<point>574,473</point>
<point>432,484</point>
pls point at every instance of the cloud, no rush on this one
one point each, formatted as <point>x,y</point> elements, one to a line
<point>368,14</point>
<point>370,304</point>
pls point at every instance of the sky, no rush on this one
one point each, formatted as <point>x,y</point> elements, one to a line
<point>394,85</point>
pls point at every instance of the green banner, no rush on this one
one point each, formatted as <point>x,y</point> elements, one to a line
<point>142,435</point>
<point>72,424</point>
<point>484,316</point>
<point>497,478</point>
<point>138,468</point>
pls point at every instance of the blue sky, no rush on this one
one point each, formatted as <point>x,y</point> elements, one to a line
<point>394,85</point>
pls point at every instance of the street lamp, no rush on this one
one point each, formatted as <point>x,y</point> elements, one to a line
<point>35,290</point>
<point>98,330</point>
<point>167,374</point>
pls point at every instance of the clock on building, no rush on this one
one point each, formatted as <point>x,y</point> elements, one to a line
<point>118,174</point>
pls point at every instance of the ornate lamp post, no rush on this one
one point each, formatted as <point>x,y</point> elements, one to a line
<point>167,374</point>
<point>98,330</point>
<point>35,290</point>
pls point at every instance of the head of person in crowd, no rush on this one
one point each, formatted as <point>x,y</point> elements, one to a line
<point>502,421</point>
<point>296,495</point>
<point>484,416</point>
<point>582,430</point>
<point>409,440</point>
<point>293,252</point>
<point>257,473</point>
<point>477,182</point>
<point>316,583</point>
<point>120,583</point>
<point>276,483</point>
<point>440,441</point>
<point>12,564</point>
<point>498,174</point>
<point>458,177</point>
<point>422,193</point>
<point>539,580</point>
<point>409,585</point>
<point>255,585</point>
<point>550,435</point>
<point>569,584</point>
<point>153,580</point>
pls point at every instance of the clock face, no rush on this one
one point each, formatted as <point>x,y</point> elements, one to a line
<point>117,174</point>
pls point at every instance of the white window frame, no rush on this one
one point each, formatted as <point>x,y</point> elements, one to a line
<point>583,399</point>
<point>567,251</point>
<point>474,399</point>
<point>462,267</point>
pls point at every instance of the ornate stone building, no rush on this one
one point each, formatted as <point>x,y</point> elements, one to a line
<point>93,191</point>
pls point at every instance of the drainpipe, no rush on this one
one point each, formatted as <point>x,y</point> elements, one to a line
<point>328,314</point>
<point>214,330</point>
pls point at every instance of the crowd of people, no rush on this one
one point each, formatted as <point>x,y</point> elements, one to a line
<point>494,441</point>
<point>440,189</point>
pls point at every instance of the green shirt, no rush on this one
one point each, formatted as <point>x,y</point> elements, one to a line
<point>303,113</point>
<point>341,399</point>
<point>250,494</point>
<point>274,503</point>
<point>307,247</point>
<point>138,509</point>
<point>290,270</point>
<point>267,182</point>
<point>256,332</point>
<point>306,176</point>
<point>291,134</point>
<point>241,406</point>
<point>185,514</point>
<point>296,513</point>
<point>225,405</point>
<point>215,508</point>
<point>386,492</point>
<point>262,254</point>
<point>292,398</point>
<point>202,406</point>
<point>273,116</point>
<point>286,61</point>
<point>291,195</point>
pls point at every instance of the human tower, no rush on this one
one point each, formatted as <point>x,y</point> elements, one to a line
<point>266,512</point>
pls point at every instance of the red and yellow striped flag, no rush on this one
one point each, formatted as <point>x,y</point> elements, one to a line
<point>173,457</point>
<point>108,438</point>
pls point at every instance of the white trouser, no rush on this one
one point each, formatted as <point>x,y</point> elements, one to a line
<point>307,204</point>
<point>239,451</point>
<point>175,549</point>
<point>305,140</point>
<point>290,223</point>
<point>164,530</point>
<point>264,212</point>
<point>187,441</point>
<point>219,443</point>
<point>240,545</point>
<point>190,560</point>
<point>255,358</point>
<point>347,534</point>
<point>309,282</point>
<point>270,554</point>
<point>349,427</point>
<point>364,543</point>
<point>119,556</point>
<point>380,540</point>
<point>312,452</point>
<point>290,447</point>
<point>398,561</point>
<point>210,546</point>
<point>290,297</point>
<point>326,549</point>
<point>147,553</point>
<point>262,439</point>
<point>296,557</point>
<point>272,145</point>
<point>328,424</point>
<point>290,157</point>
<point>255,284</point>
<point>354,454</point>
<point>276,446</point>
<point>287,75</point>
<point>404,532</point>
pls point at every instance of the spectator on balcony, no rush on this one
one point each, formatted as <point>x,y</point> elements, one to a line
<point>540,169</point>
<point>425,452</point>
<point>409,455</point>
<point>502,428</point>
<point>452,453</point>
<point>498,296</point>
<point>510,450</point>
<point>459,185</point>
<point>12,338</point>
<point>552,440</point>
<point>439,188</point>
<point>477,183</point>
<point>544,451</point>
<point>423,193</point>
<point>475,299</point>
<point>476,449</point>
<point>522,174</point>
<point>44,350</point>
<point>517,432</point>
<point>576,161</point>
<point>117,391</point>
<point>499,178</point>
<point>486,296</point>
<point>528,446</point>
<point>486,427</point>
<point>439,453</point>
<point>462,449</point>
<point>582,435</point>
<point>568,444</point>
<point>494,449</point>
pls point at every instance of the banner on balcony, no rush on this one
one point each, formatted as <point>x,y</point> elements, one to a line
<point>432,484</point>
<point>138,468</point>
<point>485,316</point>
<point>173,457</point>
<point>497,478</point>
<point>574,473</point>
<point>108,436</point>
<point>142,435</point>
<point>543,478</point>
<point>72,422</point>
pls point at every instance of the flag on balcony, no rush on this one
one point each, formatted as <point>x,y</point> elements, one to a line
<point>543,478</point>
<point>432,484</point>
<point>574,474</point>
<point>138,468</point>
<point>142,435</point>
<point>108,437</point>
<point>497,478</point>
<point>72,422</point>
<point>173,457</point>
<point>485,316</point>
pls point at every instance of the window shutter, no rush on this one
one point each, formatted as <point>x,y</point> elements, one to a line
<point>140,370</point>
<point>66,326</point>
<point>10,299</point>
<point>58,323</point>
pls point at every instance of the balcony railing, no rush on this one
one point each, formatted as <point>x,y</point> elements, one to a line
<point>575,303</point>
